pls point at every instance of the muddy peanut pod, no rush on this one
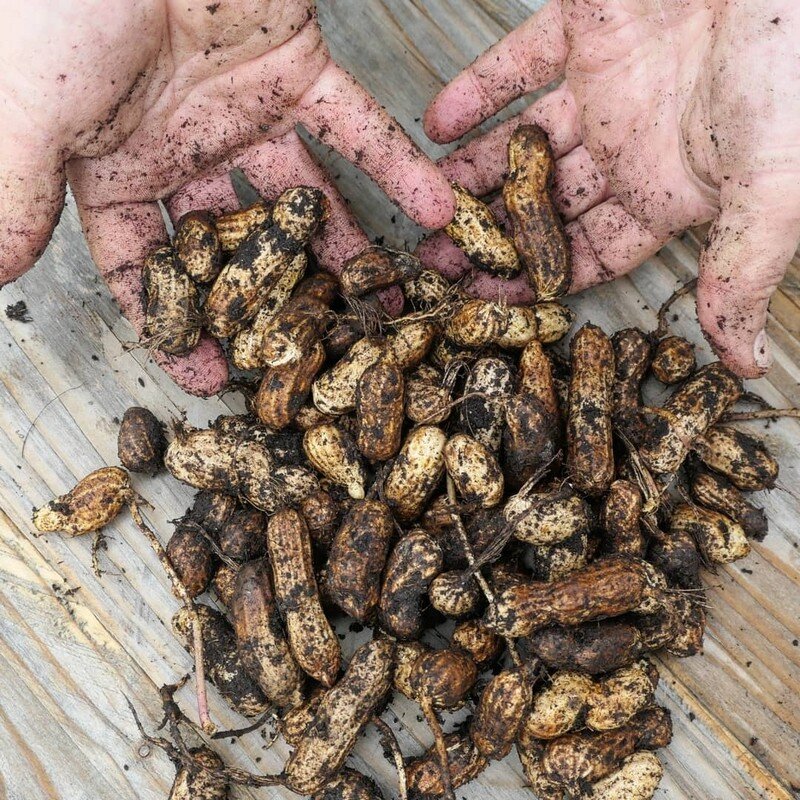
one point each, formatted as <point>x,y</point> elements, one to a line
<point>697,405</point>
<point>203,457</point>
<point>197,247</point>
<point>224,667</point>
<point>547,517</point>
<point>334,454</point>
<point>594,648</point>
<point>294,331</point>
<point>415,561</point>
<point>262,643</point>
<point>243,285</point>
<point>689,627</point>
<point>406,655</point>
<point>376,268</point>
<point>334,392</point>
<point>576,758</point>
<point>321,513</point>
<point>172,321</point>
<point>590,454</point>
<point>357,558</point>
<point>605,588</point>
<point>743,459</point>
<point>426,290</point>
<point>380,410</point>
<point>454,596</point>
<point>89,506</point>
<point>636,779</point>
<point>243,536</point>
<point>719,538</point>
<point>311,638</point>
<point>410,344</point>
<point>443,677</point>
<point>474,470</point>
<point>427,402</point>
<point>233,228</point>
<point>342,714</point>
<point>501,710</point>
<point>675,554</point>
<point>535,377</point>
<point>210,510</point>
<point>632,354</point>
<point>141,442</point>
<point>554,562</point>
<point>446,352</point>
<point>475,230</point>
<point>425,779</point>
<point>482,414</point>
<point>190,554</point>
<point>247,348</point>
<point>483,644</point>
<point>284,390</point>
<point>416,472</point>
<point>254,474</point>
<point>349,785</point>
<point>534,222</point>
<point>716,493</point>
<point>199,779</point>
<point>673,360</point>
<point>622,510</point>
<point>224,582</point>
<point>530,756</point>
<point>530,438</point>
<point>476,323</point>
<point>294,721</point>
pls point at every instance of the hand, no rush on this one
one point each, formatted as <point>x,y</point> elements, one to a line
<point>138,101</point>
<point>672,113</point>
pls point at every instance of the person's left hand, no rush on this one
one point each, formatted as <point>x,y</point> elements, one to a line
<point>136,101</point>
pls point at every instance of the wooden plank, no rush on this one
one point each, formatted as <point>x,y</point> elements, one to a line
<point>72,646</point>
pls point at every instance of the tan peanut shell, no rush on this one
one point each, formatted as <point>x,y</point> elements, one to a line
<point>333,452</point>
<point>243,285</point>
<point>465,761</point>
<point>261,641</point>
<point>334,392</point>
<point>530,438</point>
<point>410,344</point>
<point>191,557</point>
<point>632,355</point>
<point>201,780</point>
<point>535,225</point>
<point>140,441</point>
<point>455,596</point>
<point>535,377</point>
<point>556,561</point>
<point>673,360</point>
<point>474,470</point>
<point>719,538</point>
<point>483,644</point>
<point>294,330</point>
<point>427,400</point>
<point>426,290</point>
<point>416,472</point>
<point>694,407</point>
<point>247,348</point>
<point>349,785</point>
<point>501,710</point>
<point>406,655</point>
<point>380,410</point>
<point>197,247</point>
<point>590,453</point>
<point>443,677</point>
<point>743,459</point>
<point>234,227</point>
<point>341,716</point>
<point>202,457</point>
<point>172,321</point>
<point>530,756</point>
<point>521,326</point>
<point>254,470</point>
<point>476,323</point>
<point>414,562</point>
<point>294,721</point>
<point>488,387</point>
<point>622,511</point>
<point>718,494</point>
<point>357,558</point>
<point>223,666</point>
<point>89,506</point>
<point>556,709</point>
<point>210,510</point>
<point>636,779</point>
<point>475,230</point>
<point>547,518</point>
<point>311,638</point>
<point>321,513</point>
<point>689,627</point>
<point>224,582</point>
<point>376,268</point>
<point>553,321</point>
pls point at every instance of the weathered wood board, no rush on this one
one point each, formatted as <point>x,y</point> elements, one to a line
<point>73,647</point>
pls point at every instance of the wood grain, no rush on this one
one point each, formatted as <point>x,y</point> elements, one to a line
<point>73,647</point>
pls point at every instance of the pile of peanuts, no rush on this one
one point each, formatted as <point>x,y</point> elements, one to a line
<point>446,464</point>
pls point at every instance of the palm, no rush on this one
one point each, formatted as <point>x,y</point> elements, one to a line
<point>159,100</point>
<point>672,113</point>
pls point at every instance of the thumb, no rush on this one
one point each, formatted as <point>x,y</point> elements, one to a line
<point>32,186</point>
<point>744,258</point>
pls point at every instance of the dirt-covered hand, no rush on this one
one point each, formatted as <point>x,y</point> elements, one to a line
<point>672,113</point>
<point>133,102</point>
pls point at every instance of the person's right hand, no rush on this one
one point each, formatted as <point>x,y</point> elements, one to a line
<point>134,101</point>
<point>672,113</point>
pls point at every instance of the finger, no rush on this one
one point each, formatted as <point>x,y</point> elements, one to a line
<point>578,184</point>
<point>212,192</point>
<point>527,59</point>
<point>341,113</point>
<point>32,185</point>
<point>278,164</point>
<point>481,165</point>
<point>607,242</point>
<point>745,257</point>
<point>119,239</point>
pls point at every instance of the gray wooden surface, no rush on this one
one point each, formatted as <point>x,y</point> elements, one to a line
<point>72,647</point>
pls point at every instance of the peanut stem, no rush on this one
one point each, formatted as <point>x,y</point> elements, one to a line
<point>663,325</point>
<point>767,413</point>
<point>441,746</point>
<point>197,627</point>
<point>389,741</point>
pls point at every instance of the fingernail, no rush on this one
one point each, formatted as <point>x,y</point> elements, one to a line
<point>762,351</point>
